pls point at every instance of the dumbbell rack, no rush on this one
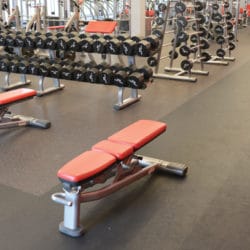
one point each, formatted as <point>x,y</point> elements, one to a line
<point>108,28</point>
<point>23,80</point>
<point>216,60</point>
<point>180,74</point>
<point>122,77</point>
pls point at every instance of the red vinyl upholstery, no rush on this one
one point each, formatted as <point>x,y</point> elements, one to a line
<point>120,151</point>
<point>139,133</point>
<point>16,95</point>
<point>107,152</point>
<point>85,165</point>
<point>104,27</point>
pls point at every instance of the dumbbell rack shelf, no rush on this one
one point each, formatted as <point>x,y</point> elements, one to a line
<point>180,74</point>
<point>23,80</point>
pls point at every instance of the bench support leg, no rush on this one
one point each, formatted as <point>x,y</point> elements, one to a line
<point>164,166</point>
<point>71,224</point>
<point>11,120</point>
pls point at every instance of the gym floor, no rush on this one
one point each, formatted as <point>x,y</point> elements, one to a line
<point>208,129</point>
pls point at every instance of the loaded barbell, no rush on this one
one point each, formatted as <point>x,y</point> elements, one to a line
<point>186,50</point>
<point>187,64</point>
<point>222,51</point>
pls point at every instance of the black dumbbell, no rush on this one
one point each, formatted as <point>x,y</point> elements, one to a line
<point>23,66</point>
<point>29,42</point>
<point>138,78</point>
<point>67,72</point>
<point>129,47</point>
<point>120,77</point>
<point>186,50</point>
<point>222,51</point>
<point>114,46</point>
<point>106,76</point>
<point>44,69</point>
<point>33,67</point>
<point>187,64</point>
<point>10,40</point>
<point>79,73</point>
<point>51,42</point>
<point>222,39</point>
<point>218,17</point>
<point>55,70</point>
<point>3,38</point>
<point>74,44</point>
<point>4,64</point>
<point>13,66</point>
<point>62,43</point>
<point>100,46</point>
<point>40,41</point>
<point>86,44</point>
<point>152,61</point>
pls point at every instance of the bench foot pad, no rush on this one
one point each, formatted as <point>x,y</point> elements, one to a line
<point>73,233</point>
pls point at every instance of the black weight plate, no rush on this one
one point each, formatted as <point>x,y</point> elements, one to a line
<point>193,48</point>
<point>180,7</point>
<point>158,33</point>
<point>162,7</point>
<point>231,46</point>
<point>220,40</point>
<point>219,30</point>
<point>217,17</point>
<point>194,26</point>
<point>177,43</point>
<point>186,65</point>
<point>173,54</point>
<point>205,57</point>
<point>152,61</point>
<point>159,21</point>
<point>182,36</point>
<point>231,36</point>
<point>229,25</point>
<point>229,15</point>
<point>202,32</point>
<point>204,43</point>
<point>226,4</point>
<point>181,21</point>
<point>220,52</point>
<point>215,6</point>
<point>200,18</point>
<point>194,38</point>
<point>198,6</point>
<point>185,50</point>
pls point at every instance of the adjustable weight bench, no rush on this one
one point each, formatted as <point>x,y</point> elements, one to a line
<point>112,158</point>
<point>9,120</point>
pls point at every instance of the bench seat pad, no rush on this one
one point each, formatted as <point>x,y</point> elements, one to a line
<point>120,151</point>
<point>139,133</point>
<point>16,95</point>
<point>85,165</point>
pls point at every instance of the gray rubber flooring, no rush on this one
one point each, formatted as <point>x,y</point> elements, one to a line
<point>208,129</point>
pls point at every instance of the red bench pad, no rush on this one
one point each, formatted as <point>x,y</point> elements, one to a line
<point>101,27</point>
<point>120,151</point>
<point>139,133</point>
<point>16,95</point>
<point>55,27</point>
<point>85,165</point>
